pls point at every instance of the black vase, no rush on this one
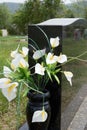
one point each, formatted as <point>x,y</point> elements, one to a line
<point>35,103</point>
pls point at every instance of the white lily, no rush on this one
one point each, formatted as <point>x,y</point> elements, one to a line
<point>10,92</point>
<point>38,54</point>
<point>39,116</point>
<point>15,62</point>
<point>39,69</point>
<point>62,58</point>
<point>14,53</point>
<point>8,88</point>
<point>69,76</point>
<point>54,42</point>
<point>4,82</point>
<point>19,62</point>
<point>51,58</point>
<point>7,71</point>
<point>23,63</point>
<point>24,51</point>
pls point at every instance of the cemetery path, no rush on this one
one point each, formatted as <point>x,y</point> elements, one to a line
<point>75,115</point>
<point>80,119</point>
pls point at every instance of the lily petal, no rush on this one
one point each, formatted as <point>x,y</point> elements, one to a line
<point>38,54</point>
<point>15,62</point>
<point>10,92</point>
<point>14,53</point>
<point>23,63</point>
<point>51,58</point>
<point>62,58</point>
<point>25,51</point>
<point>5,82</point>
<point>39,116</point>
<point>7,71</point>
<point>69,76</point>
<point>39,69</point>
<point>54,42</point>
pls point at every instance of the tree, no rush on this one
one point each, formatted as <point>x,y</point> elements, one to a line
<point>50,8</point>
<point>18,23</point>
<point>85,13</point>
<point>78,7</point>
<point>35,11</point>
<point>64,11</point>
<point>28,14</point>
<point>4,16</point>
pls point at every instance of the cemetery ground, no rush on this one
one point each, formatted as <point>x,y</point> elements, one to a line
<point>8,115</point>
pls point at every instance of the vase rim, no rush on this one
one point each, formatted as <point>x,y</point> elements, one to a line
<point>33,95</point>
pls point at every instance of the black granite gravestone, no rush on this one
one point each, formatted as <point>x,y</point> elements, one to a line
<point>55,90</point>
<point>52,28</point>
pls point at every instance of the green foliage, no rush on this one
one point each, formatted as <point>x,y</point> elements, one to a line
<point>78,8</point>
<point>35,11</point>
<point>65,12</point>
<point>0,32</point>
<point>4,17</point>
<point>8,110</point>
<point>50,8</point>
<point>85,13</point>
<point>69,14</point>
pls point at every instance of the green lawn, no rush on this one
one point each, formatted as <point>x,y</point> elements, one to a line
<point>79,69</point>
<point>8,110</point>
<point>74,48</point>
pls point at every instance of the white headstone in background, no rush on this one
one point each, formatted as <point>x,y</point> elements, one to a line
<point>4,32</point>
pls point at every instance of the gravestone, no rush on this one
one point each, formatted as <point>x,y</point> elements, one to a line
<point>85,33</point>
<point>52,28</point>
<point>77,34</point>
<point>55,89</point>
<point>4,32</point>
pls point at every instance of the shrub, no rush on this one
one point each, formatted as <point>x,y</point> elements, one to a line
<point>0,32</point>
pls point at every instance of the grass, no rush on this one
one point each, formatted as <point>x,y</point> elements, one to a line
<point>8,113</point>
<point>74,48</point>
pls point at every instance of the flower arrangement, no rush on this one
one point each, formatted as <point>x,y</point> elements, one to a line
<point>35,78</point>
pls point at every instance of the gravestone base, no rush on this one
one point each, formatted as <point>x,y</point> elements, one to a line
<point>25,127</point>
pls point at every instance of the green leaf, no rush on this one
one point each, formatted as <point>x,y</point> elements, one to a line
<point>26,91</point>
<point>48,72</point>
<point>57,79</point>
<point>58,70</point>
